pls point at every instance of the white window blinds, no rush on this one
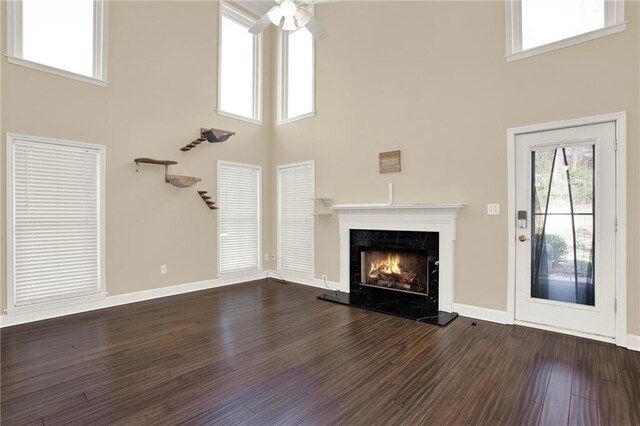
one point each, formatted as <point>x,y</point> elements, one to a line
<point>295,217</point>
<point>239,216</point>
<point>55,221</point>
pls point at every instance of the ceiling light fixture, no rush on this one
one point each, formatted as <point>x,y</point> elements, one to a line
<point>295,14</point>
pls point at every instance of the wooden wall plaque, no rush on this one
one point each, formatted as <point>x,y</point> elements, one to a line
<point>390,162</point>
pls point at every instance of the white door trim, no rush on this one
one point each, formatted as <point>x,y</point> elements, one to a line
<point>280,167</point>
<point>620,119</point>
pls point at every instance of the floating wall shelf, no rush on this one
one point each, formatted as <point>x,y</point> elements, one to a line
<point>175,180</point>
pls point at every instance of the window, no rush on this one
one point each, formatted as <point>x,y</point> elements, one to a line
<point>296,85</point>
<point>240,67</point>
<point>55,223</point>
<point>238,217</point>
<point>295,218</point>
<point>537,26</point>
<point>64,37</point>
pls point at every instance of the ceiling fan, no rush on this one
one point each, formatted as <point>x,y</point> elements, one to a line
<point>292,14</point>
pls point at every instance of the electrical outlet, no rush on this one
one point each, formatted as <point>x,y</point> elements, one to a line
<point>266,257</point>
<point>323,277</point>
<point>273,257</point>
<point>163,269</point>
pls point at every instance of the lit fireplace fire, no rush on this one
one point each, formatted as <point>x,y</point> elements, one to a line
<point>389,271</point>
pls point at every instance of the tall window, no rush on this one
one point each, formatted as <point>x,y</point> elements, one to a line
<point>536,26</point>
<point>239,217</point>
<point>240,67</point>
<point>65,37</point>
<point>56,221</point>
<point>295,218</point>
<point>296,81</point>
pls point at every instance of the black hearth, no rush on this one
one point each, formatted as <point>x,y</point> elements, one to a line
<point>394,272</point>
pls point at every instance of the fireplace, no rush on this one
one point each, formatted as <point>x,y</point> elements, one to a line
<point>397,259</point>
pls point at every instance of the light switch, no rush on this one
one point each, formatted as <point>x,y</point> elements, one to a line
<point>493,209</point>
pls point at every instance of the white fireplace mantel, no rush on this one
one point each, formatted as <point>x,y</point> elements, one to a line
<point>439,218</point>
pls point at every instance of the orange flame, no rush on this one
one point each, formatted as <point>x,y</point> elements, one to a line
<point>390,265</point>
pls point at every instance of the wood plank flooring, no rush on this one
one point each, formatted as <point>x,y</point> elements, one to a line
<point>264,353</point>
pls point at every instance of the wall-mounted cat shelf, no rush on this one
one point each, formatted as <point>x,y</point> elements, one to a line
<point>207,200</point>
<point>209,135</point>
<point>175,180</point>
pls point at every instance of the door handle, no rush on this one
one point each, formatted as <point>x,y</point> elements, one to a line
<point>522,238</point>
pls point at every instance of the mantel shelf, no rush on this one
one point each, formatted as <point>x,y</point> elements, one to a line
<point>386,206</point>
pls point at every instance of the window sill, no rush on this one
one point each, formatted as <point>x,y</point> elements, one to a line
<point>239,117</point>
<point>581,38</point>
<point>17,310</point>
<point>298,118</point>
<point>56,71</point>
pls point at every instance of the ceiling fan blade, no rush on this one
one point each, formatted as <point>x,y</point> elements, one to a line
<point>316,29</point>
<point>261,25</point>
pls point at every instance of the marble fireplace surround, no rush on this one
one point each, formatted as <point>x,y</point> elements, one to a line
<point>439,218</point>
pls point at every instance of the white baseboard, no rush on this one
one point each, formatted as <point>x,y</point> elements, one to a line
<point>484,314</point>
<point>633,342</point>
<point>308,280</point>
<point>123,299</point>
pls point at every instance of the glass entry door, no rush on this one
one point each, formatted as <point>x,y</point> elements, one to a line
<point>565,268</point>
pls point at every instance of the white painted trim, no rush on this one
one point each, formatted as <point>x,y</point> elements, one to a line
<point>571,41</point>
<point>619,118</point>
<point>298,118</point>
<point>633,342</point>
<point>404,218</point>
<point>102,153</point>
<point>56,71</point>
<point>313,223</point>
<point>100,40</point>
<point>239,117</point>
<point>226,9</point>
<point>307,280</point>
<point>259,169</point>
<point>446,209</point>
<point>484,314</point>
<point>123,299</point>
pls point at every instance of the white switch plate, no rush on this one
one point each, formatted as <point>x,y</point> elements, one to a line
<point>493,209</point>
<point>266,257</point>
<point>163,269</point>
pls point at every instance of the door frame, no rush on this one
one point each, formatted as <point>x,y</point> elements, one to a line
<point>280,167</point>
<point>620,120</point>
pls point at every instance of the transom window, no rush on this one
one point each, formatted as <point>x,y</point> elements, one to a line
<point>537,26</point>
<point>64,37</point>
<point>296,85</point>
<point>240,69</point>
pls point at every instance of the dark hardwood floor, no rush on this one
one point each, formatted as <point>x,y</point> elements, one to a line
<point>270,353</point>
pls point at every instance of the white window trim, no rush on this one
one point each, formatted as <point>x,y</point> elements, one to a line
<point>313,223</point>
<point>219,245</point>
<point>243,19</point>
<point>614,23</point>
<point>102,293</point>
<point>100,20</point>
<point>282,87</point>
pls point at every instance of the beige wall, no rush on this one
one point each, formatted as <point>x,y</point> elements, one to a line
<point>430,78</point>
<point>162,89</point>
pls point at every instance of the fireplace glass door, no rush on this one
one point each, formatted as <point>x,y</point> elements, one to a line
<point>405,271</point>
